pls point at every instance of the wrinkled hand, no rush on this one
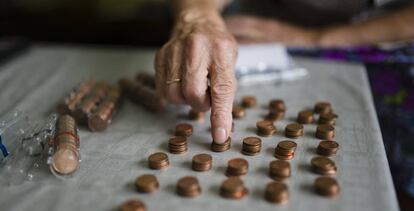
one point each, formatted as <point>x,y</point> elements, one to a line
<point>249,29</point>
<point>202,54</point>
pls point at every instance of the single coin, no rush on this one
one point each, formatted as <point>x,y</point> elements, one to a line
<point>327,186</point>
<point>184,129</point>
<point>146,183</point>
<point>249,101</point>
<point>132,205</point>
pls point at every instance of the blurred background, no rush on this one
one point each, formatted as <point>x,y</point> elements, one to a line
<point>147,23</point>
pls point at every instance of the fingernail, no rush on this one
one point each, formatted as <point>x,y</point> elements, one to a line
<point>220,135</point>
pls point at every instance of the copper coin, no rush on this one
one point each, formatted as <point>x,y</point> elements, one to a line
<point>328,118</point>
<point>249,101</point>
<point>325,131</point>
<point>238,112</point>
<point>215,147</point>
<point>275,114</point>
<point>184,129</point>
<point>294,130</point>
<point>146,183</point>
<point>265,128</point>
<point>188,187</point>
<point>327,186</point>
<point>279,169</point>
<point>277,104</point>
<point>202,162</point>
<point>132,205</point>
<point>327,148</point>
<point>305,117</point>
<point>252,141</point>
<point>322,108</point>
<point>178,140</point>
<point>276,192</point>
<point>323,165</point>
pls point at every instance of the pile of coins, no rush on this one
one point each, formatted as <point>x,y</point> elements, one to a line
<point>183,129</point>
<point>251,146</point>
<point>249,101</point>
<point>322,108</point>
<point>285,150</point>
<point>178,145</point>
<point>92,104</point>
<point>327,148</point>
<point>233,188</point>
<point>65,159</point>
<point>237,167</point>
<point>133,205</point>
<point>294,130</point>
<point>275,114</point>
<point>238,112</point>
<point>158,160</point>
<point>216,147</point>
<point>323,165</point>
<point>142,95</point>
<point>325,131</point>
<point>305,117</point>
<point>277,104</point>
<point>196,115</point>
<point>327,186</point>
<point>188,187</point>
<point>276,192</point>
<point>279,170</point>
<point>328,118</point>
<point>202,162</point>
<point>265,128</point>
<point>146,183</point>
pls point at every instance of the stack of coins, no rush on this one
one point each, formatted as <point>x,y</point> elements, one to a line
<point>183,129</point>
<point>202,162</point>
<point>188,187</point>
<point>323,165</point>
<point>265,128</point>
<point>132,205</point>
<point>294,130</point>
<point>327,148</point>
<point>237,167</point>
<point>249,101</point>
<point>238,112</point>
<point>275,114</point>
<point>322,108</point>
<point>325,131</point>
<point>142,95</point>
<point>329,118</point>
<point>195,115</point>
<point>89,103</point>
<point>146,79</point>
<point>277,104</point>
<point>285,150</point>
<point>102,115</point>
<point>279,170</point>
<point>69,104</point>
<point>233,188</point>
<point>146,183</point>
<point>215,147</point>
<point>65,159</point>
<point>178,145</point>
<point>276,192</point>
<point>305,117</point>
<point>327,186</point>
<point>158,160</point>
<point>251,146</point>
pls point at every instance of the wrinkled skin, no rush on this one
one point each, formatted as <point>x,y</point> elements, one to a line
<point>202,53</point>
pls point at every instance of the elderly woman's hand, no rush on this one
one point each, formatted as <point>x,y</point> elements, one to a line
<point>196,67</point>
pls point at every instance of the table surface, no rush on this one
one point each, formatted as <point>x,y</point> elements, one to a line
<point>111,160</point>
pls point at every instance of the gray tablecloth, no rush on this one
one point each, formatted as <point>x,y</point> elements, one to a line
<point>113,159</point>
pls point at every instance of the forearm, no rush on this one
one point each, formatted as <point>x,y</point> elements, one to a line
<point>398,26</point>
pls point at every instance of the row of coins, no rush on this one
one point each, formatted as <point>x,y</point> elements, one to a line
<point>92,104</point>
